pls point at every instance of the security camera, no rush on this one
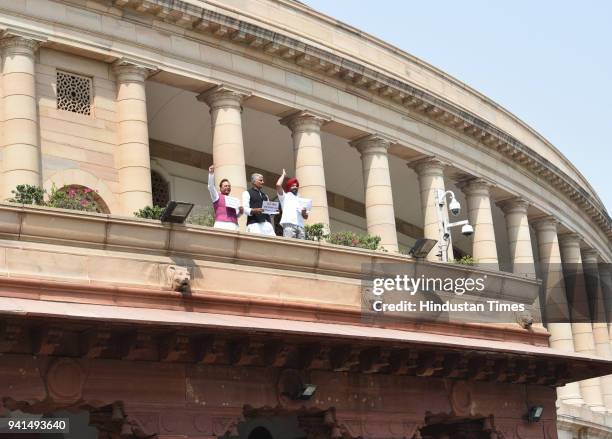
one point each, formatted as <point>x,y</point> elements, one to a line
<point>467,230</point>
<point>454,206</point>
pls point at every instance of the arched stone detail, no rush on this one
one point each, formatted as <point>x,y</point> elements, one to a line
<point>70,177</point>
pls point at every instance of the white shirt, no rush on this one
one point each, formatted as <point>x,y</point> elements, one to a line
<point>214,195</point>
<point>292,211</point>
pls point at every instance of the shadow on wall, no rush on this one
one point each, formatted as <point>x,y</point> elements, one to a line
<point>271,427</point>
<point>260,433</point>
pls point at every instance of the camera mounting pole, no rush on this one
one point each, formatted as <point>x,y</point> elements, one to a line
<point>444,224</point>
<point>442,213</point>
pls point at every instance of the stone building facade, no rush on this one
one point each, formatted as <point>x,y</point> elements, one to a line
<point>135,99</point>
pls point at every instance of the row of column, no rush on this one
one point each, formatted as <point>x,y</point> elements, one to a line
<point>228,156</point>
<point>22,151</point>
<point>570,272</point>
<point>22,162</point>
<point>22,158</point>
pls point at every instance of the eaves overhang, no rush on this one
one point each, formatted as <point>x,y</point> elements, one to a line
<point>176,335</point>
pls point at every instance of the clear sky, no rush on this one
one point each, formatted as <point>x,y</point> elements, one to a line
<point>548,62</point>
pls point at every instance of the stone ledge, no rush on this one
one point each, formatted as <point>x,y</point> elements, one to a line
<point>125,236</point>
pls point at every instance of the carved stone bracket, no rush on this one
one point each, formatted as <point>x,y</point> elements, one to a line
<point>10,336</point>
<point>47,340</point>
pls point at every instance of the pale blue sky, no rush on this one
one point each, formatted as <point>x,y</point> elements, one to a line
<point>548,62</point>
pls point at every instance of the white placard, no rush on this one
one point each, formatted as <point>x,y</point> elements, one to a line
<point>270,207</point>
<point>305,203</point>
<point>232,202</point>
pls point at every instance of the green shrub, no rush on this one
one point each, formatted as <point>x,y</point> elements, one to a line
<point>149,212</point>
<point>315,232</point>
<point>28,194</point>
<point>352,239</point>
<point>202,216</point>
<point>465,260</point>
<point>75,198</point>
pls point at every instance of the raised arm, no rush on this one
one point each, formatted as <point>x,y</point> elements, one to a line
<point>279,184</point>
<point>214,195</point>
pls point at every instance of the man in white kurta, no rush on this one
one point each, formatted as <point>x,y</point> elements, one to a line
<point>294,213</point>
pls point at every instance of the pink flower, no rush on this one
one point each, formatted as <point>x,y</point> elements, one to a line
<point>87,190</point>
<point>72,193</point>
<point>84,202</point>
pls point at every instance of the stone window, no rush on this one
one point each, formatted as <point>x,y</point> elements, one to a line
<point>161,189</point>
<point>74,93</point>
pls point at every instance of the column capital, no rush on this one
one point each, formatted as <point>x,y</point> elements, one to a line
<point>19,45</point>
<point>428,166</point>
<point>546,222</point>
<point>224,96</point>
<point>371,144</point>
<point>475,186</point>
<point>590,256</point>
<point>570,239</point>
<point>304,121</point>
<point>514,205</point>
<point>130,71</point>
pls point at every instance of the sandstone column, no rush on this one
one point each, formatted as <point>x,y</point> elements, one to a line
<point>484,248</point>
<point>582,329</point>
<point>133,159</point>
<point>519,244</point>
<point>21,160</point>
<point>519,236</point>
<point>380,215</point>
<point>557,312</point>
<point>227,142</point>
<point>598,317</point>
<point>431,178</point>
<point>605,274</point>
<point>306,133</point>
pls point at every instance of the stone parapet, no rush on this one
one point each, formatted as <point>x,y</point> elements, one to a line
<point>113,252</point>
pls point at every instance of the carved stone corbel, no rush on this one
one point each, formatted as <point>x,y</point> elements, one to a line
<point>178,278</point>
